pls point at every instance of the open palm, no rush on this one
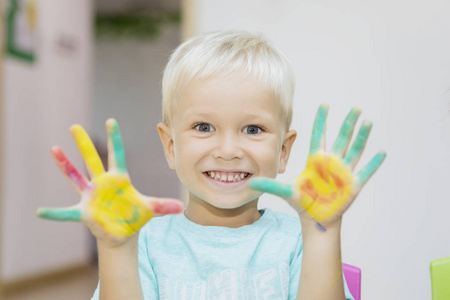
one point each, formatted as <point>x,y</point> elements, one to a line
<point>110,206</point>
<point>327,187</point>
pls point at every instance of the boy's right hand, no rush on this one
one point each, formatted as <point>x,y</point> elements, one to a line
<point>110,206</point>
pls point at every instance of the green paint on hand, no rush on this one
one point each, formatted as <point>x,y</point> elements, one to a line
<point>271,186</point>
<point>368,170</point>
<point>134,218</point>
<point>59,214</point>
<point>318,129</point>
<point>358,145</point>
<point>119,152</point>
<point>346,131</point>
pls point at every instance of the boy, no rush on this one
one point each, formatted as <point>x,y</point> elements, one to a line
<point>227,108</point>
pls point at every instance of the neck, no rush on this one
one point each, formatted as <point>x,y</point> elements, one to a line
<point>203,213</point>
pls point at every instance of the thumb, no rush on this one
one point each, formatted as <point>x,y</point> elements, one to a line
<point>272,186</point>
<point>60,214</point>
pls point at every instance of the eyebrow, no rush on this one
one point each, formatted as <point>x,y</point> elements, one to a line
<point>190,115</point>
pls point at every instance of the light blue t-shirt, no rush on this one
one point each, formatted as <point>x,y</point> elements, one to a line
<point>181,260</point>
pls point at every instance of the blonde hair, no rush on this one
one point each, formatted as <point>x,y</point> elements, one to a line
<point>224,54</point>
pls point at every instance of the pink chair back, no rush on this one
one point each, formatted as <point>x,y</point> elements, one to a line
<point>352,275</point>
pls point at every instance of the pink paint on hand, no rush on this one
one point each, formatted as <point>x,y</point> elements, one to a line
<point>167,207</point>
<point>69,170</point>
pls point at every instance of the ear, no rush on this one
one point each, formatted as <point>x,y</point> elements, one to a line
<point>165,135</point>
<point>286,149</point>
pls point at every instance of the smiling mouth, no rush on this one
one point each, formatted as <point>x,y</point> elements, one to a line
<point>227,176</point>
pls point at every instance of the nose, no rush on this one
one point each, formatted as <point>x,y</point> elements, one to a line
<point>228,147</point>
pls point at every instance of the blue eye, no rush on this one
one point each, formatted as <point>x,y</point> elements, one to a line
<point>252,129</point>
<point>204,127</point>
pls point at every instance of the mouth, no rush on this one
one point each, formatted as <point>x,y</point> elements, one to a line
<point>227,177</point>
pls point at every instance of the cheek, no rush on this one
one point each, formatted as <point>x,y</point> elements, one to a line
<point>188,151</point>
<point>268,159</point>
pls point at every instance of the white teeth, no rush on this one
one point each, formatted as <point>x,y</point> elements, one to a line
<point>227,177</point>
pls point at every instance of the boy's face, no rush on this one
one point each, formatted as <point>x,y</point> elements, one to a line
<point>224,132</point>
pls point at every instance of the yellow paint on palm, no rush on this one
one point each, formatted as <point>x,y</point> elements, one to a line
<point>117,206</point>
<point>326,184</point>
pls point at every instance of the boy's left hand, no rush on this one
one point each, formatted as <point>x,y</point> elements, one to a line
<point>327,187</point>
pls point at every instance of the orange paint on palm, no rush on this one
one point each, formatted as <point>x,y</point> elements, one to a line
<point>116,205</point>
<point>325,185</point>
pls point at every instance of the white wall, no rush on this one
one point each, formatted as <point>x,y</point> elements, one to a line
<point>39,103</point>
<point>392,59</point>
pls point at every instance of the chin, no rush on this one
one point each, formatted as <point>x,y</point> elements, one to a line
<point>231,204</point>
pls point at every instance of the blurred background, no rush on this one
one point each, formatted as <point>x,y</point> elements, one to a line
<point>67,62</point>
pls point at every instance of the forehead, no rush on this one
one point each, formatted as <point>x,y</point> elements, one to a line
<point>228,96</point>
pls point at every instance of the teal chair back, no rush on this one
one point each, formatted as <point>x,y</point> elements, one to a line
<point>440,278</point>
<point>352,275</point>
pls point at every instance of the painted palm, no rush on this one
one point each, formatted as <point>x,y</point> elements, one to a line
<point>109,199</point>
<point>327,187</point>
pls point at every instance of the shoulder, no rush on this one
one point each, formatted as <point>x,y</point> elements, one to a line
<point>162,224</point>
<point>282,221</point>
<point>160,235</point>
<point>158,229</point>
<point>285,229</point>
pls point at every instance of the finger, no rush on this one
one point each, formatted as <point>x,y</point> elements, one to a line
<point>88,151</point>
<point>60,214</point>
<point>116,153</point>
<point>318,135</point>
<point>369,169</point>
<point>353,155</point>
<point>346,132</point>
<point>272,186</point>
<point>166,206</point>
<point>75,177</point>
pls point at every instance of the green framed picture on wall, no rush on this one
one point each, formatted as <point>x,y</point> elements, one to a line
<point>21,18</point>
